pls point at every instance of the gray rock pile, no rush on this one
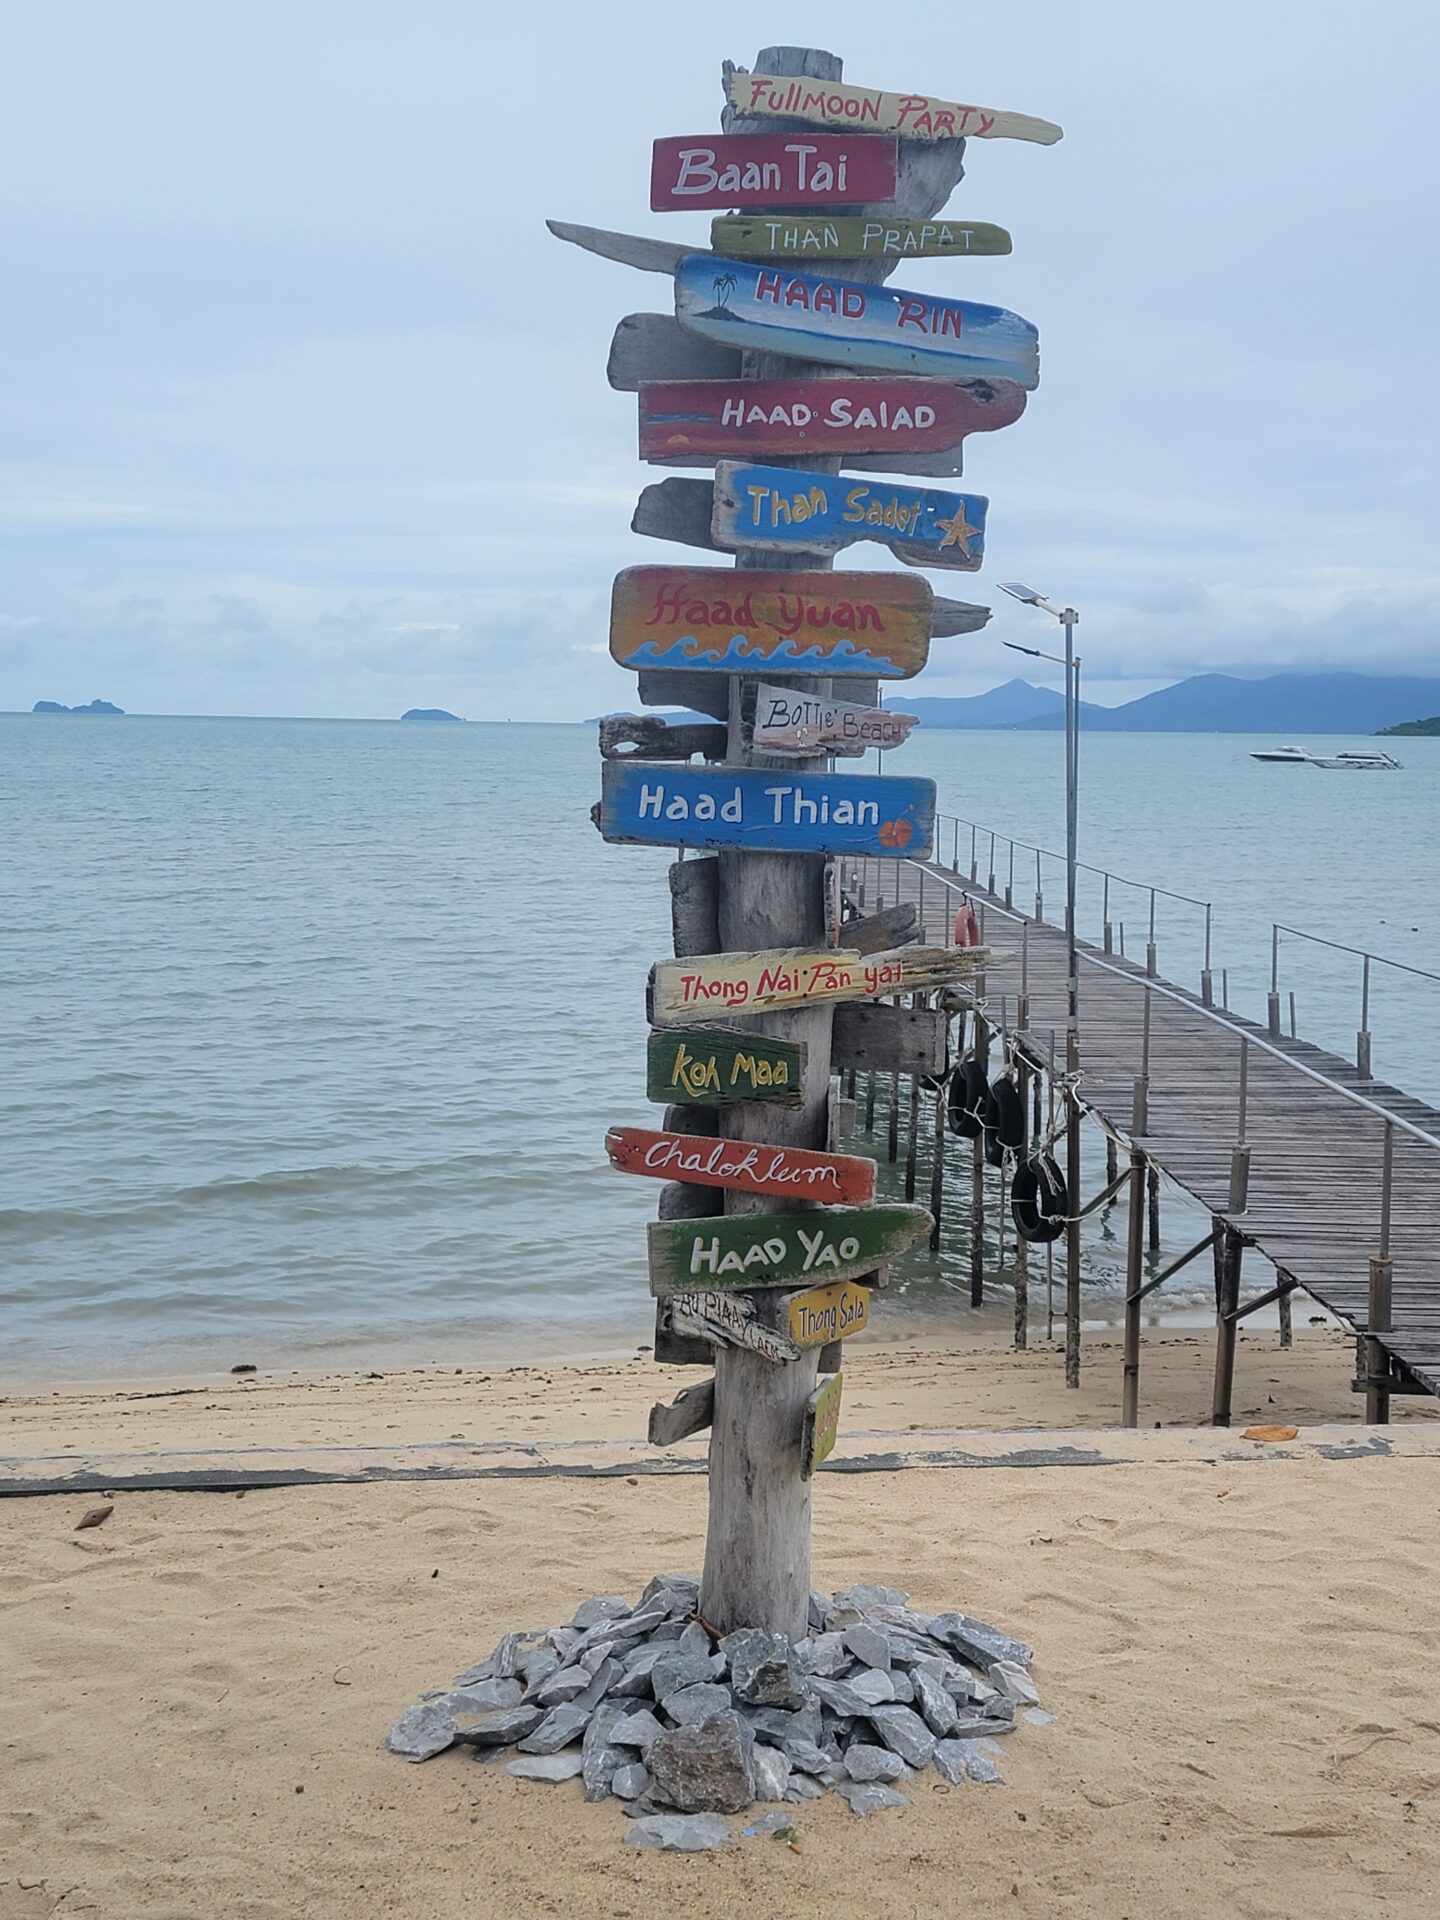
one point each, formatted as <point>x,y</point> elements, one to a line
<point>642,1704</point>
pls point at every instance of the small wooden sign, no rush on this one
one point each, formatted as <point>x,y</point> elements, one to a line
<point>889,1039</point>
<point>771,170</point>
<point>788,1173</point>
<point>697,421</point>
<point>889,817</point>
<point>732,1320</point>
<point>790,510</point>
<point>718,985</point>
<point>785,236</point>
<point>691,1411</point>
<point>822,1425</point>
<point>709,620</point>
<point>710,1068</point>
<point>823,1314</point>
<point>802,723</point>
<point>914,116</point>
<point>742,303</point>
<point>779,1249</point>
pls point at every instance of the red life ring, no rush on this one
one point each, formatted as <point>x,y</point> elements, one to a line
<point>967,926</point>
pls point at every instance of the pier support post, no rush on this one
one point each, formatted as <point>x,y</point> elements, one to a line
<point>1152,1191</point>
<point>937,1170</point>
<point>1072,1229</point>
<point>1134,1262</point>
<point>977,1179</point>
<point>1377,1360</point>
<point>1232,1246</point>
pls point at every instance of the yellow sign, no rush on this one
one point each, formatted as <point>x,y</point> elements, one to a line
<point>828,1313</point>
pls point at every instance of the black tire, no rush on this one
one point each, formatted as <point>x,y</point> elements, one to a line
<point>1009,1108</point>
<point>1039,1202</point>
<point>969,1092</point>
<point>994,1148</point>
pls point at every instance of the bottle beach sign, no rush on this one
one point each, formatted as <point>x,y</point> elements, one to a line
<point>743,303</point>
<point>716,986</point>
<point>710,620</point>
<point>786,1173</point>
<point>803,723</point>
<point>771,169</point>
<point>791,510</point>
<point>708,1068</point>
<point>914,116</point>
<point>787,236</point>
<point>661,804</point>
<point>778,1249</point>
<point>692,422</point>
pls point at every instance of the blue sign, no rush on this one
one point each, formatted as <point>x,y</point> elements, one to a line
<point>791,510</point>
<point>662,805</point>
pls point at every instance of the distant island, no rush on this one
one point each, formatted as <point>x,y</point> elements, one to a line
<point>431,713</point>
<point>1416,727</point>
<point>94,706</point>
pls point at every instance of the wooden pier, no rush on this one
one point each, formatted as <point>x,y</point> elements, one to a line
<point>1334,1178</point>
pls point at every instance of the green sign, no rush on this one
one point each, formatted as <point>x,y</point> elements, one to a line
<point>780,1249</point>
<point>710,1068</point>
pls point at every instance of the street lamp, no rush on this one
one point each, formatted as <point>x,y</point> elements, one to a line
<point>1068,618</point>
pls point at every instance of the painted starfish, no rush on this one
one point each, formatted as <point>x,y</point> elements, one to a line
<point>958,532</point>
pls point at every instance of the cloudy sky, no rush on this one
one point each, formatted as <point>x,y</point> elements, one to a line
<point>305,413</point>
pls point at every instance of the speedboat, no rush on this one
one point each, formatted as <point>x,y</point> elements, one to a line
<point>1368,759</point>
<point>1285,756</point>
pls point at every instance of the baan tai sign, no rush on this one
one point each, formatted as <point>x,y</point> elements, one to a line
<point>771,169</point>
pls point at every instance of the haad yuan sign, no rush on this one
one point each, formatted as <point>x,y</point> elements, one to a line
<point>696,421</point>
<point>771,169</point>
<point>916,116</point>
<point>793,510</point>
<point>707,619</point>
<point>741,303</point>
<point>663,805</point>
<point>786,1173</point>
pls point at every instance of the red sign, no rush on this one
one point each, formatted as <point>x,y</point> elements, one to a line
<point>719,419</point>
<point>772,170</point>
<point>791,1173</point>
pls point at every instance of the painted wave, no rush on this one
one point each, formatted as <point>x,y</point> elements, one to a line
<point>740,653</point>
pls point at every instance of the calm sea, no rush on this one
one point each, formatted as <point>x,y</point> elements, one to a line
<point>311,1030</point>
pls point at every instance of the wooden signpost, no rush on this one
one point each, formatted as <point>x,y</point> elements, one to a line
<point>705,620</point>
<point>781,236</point>
<point>695,422</point>
<point>743,303</point>
<point>781,1326</point>
<point>823,1314</point>
<point>822,1425</point>
<point>717,986</point>
<point>786,510</point>
<point>802,723</point>
<point>771,169</point>
<point>916,116</point>
<point>666,804</point>
<point>780,1249</point>
<point>708,1068</point>
<point>786,1173</point>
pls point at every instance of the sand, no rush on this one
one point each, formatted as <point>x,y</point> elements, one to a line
<point>1241,1659</point>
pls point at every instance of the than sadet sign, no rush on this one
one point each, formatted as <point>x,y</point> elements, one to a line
<point>740,303</point>
<point>708,620</point>
<point>802,723</point>
<point>783,236</point>
<point>790,510</point>
<point>710,1069</point>
<point>778,1249</point>
<point>914,116</point>
<point>770,170</point>
<point>787,1173</point>
<point>669,805</point>
<point>692,422</point>
<point>714,986</point>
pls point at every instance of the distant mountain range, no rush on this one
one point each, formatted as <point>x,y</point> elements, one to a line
<point>1206,703</point>
<point>93,706</point>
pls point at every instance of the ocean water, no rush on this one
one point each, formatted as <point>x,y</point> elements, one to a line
<point>311,1030</point>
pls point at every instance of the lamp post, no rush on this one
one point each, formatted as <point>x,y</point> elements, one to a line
<point>1068,618</point>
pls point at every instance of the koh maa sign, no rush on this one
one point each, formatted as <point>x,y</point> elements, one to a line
<point>711,1069</point>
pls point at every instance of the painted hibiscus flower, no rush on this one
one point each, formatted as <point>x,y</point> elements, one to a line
<point>896,833</point>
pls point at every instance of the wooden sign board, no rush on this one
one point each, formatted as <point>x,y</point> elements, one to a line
<point>691,1411</point>
<point>742,303</point>
<point>787,1173</point>
<point>719,985</point>
<point>771,170</point>
<point>708,620</point>
<point>889,1039</point>
<point>710,1068</point>
<point>732,1320</point>
<point>644,803</point>
<point>784,236</point>
<point>779,1249</point>
<point>646,735</point>
<point>822,1425</point>
<point>914,116</point>
<point>823,1314</point>
<point>790,510</point>
<point>697,421</point>
<point>802,723</point>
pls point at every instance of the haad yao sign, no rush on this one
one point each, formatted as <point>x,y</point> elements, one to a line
<point>779,236</point>
<point>696,421</point>
<point>792,510</point>
<point>741,303</point>
<point>916,116</point>
<point>711,1069</point>
<point>705,619</point>
<point>713,986</point>
<point>802,723</point>
<point>787,1173</point>
<point>777,1249</point>
<point>771,169</point>
<point>665,805</point>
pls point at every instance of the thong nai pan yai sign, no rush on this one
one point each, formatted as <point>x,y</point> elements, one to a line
<point>664,805</point>
<point>718,986</point>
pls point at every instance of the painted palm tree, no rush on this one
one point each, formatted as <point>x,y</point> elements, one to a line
<point>724,284</point>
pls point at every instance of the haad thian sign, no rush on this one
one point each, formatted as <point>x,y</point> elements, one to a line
<point>663,805</point>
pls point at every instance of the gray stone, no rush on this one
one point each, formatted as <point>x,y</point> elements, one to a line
<point>601,1759</point>
<point>594,1657</point>
<point>999,1710</point>
<point>501,1728</point>
<point>873,1686</point>
<point>689,1704</point>
<point>935,1703</point>
<point>484,1670</point>
<point>705,1766</point>
<point>695,1639</point>
<point>547,1766</point>
<point>805,1756</point>
<point>961,1760</point>
<point>802,1788</point>
<point>1015,1683</point>
<point>590,1613</point>
<point>869,1799</point>
<point>537,1669</point>
<point>841,1697</point>
<point>1038,1717</point>
<point>776,1725</point>
<point>904,1686</point>
<point>680,1833</point>
<point>564,1685</point>
<point>484,1696</point>
<point>606,1674</point>
<point>908,1649</point>
<point>776,1821</point>
<point>949,1761</point>
<point>980,1767</point>
<point>675,1670</point>
<point>684,1584</point>
<point>630,1782</point>
<point>819,1607</point>
<point>636,1729</point>
<point>829,1656</point>
<point>873,1763</point>
<point>763,1669</point>
<point>562,1641</point>
<point>771,1773</point>
<point>905,1733</point>
<point>982,1646</point>
<point>422,1732</point>
<point>505,1661</point>
<point>869,1644</point>
<point>558,1728</point>
<point>864,1597</point>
